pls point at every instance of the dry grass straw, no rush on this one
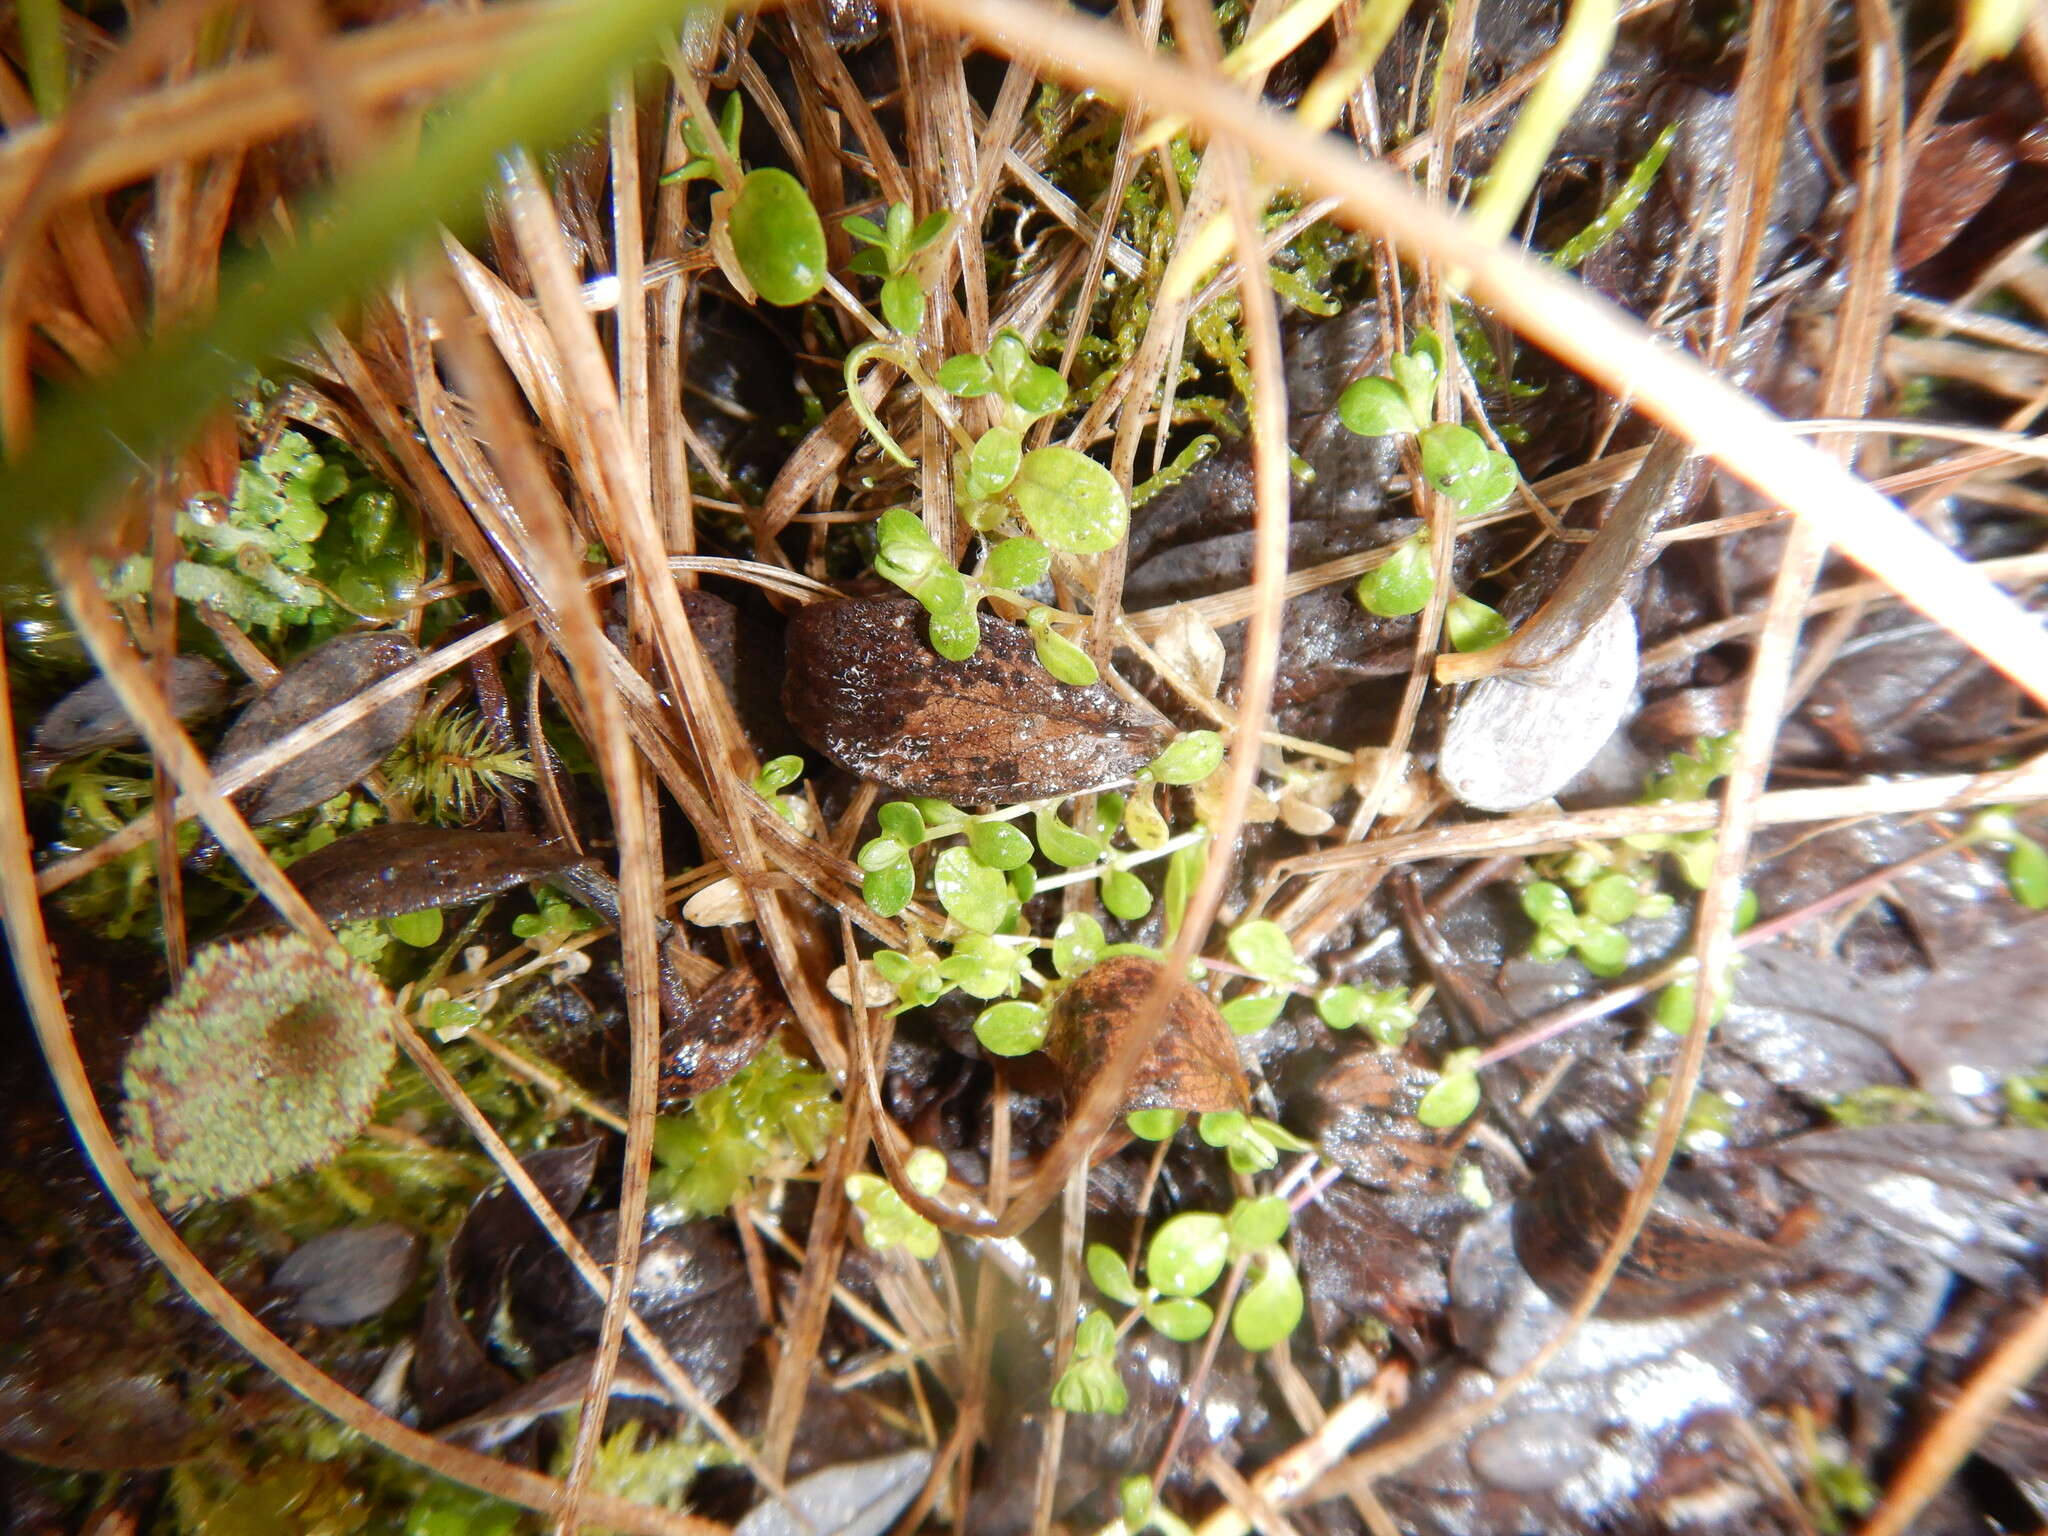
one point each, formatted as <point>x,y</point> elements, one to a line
<point>532,376</point>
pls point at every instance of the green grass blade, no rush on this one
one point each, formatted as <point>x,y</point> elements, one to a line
<point>90,440</point>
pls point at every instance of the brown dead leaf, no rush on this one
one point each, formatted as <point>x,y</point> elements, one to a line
<point>865,688</point>
<point>1193,1063</point>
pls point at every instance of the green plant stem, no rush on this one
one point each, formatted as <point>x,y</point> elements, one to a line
<point>42,44</point>
<point>1124,861</point>
<point>92,439</point>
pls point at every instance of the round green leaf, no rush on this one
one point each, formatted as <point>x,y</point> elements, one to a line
<point>1259,1223</point>
<point>1071,502</point>
<point>1076,944</point>
<point>1269,1308</point>
<point>1602,947</point>
<point>1612,898</point>
<point>1134,1498</point>
<point>777,236</point>
<point>1038,390</point>
<point>1472,625</point>
<point>1374,407</point>
<point>419,929</point>
<point>1450,1102</point>
<point>1254,1011</point>
<point>1187,1254</point>
<point>879,853</point>
<point>1450,455</point>
<point>925,1170</point>
<point>1263,948</point>
<point>955,633</point>
<point>1106,1269</point>
<point>1017,563</point>
<point>1181,1318</point>
<point>1548,905</point>
<point>1065,660</point>
<point>1675,1005</point>
<point>1341,1007</point>
<point>1013,1028</point>
<point>965,376</point>
<point>888,890</point>
<point>903,302</point>
<point>1188,759</point>
<point>1125,895</point>
<point>974,895</point>
<point>992,463</point>
<point>1401,585</point>
<point>998,845</point>
<point>1155,1124</point>
<point>899,819</point>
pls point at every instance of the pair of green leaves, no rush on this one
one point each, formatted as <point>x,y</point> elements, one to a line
<point>1563,928</point>
<point>1384,1013</point>
<point>1264,949</point>
<point>1403,584</point>
<point>1402,402</point>
<point>891,248</point>
<point>776,775</point>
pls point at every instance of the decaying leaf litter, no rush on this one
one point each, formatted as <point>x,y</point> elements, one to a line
<point>1254,623</point>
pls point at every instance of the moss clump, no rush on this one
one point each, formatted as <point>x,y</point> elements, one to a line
<point>265,1061</point>
<point>775,1117</point>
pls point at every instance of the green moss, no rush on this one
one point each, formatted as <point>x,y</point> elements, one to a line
<point>777,1116</point>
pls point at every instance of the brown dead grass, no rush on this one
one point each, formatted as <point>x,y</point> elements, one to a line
<point>533,377</point>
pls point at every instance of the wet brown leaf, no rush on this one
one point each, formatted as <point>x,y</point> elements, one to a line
<point>320,680</point>
<point>350,1273</point>
<point>1959,169</point>
<point>721,1030</point>
<point>1681,1262</point>
<point>399,867</point>
<point>90,716</point>
<point>1193,1064</point>
<point>865,688</point>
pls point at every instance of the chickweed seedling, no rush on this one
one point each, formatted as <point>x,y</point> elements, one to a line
<point>775,776</point>
<point>1184,1259</point>
<point>1402,402</point>
<point>765,233</point>
<point>892,248</point>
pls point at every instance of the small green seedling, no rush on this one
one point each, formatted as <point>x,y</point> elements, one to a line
<point>1185,1258</point>
<point>766,233</point>
<point>776,775</point>
<point>887,1220</point>
<point>891,251</point>
<point>1384,1013</point>
<point>1402,403</point>
<point>1455,1094</point>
